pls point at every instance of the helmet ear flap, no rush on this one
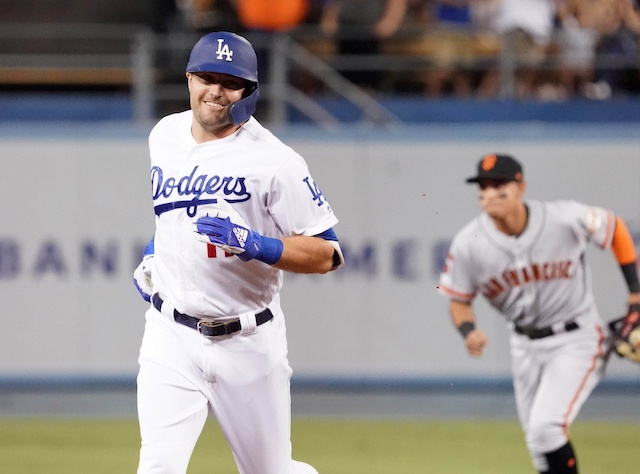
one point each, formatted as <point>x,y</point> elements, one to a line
<point>240,111</point>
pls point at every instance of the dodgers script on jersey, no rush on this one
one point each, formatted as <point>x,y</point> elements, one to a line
<point>246,169</point>
<point>529,277</point>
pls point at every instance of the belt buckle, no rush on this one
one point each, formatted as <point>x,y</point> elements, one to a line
<point>212,325</point>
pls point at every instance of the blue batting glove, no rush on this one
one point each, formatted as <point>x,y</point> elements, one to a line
<point>239,240</point>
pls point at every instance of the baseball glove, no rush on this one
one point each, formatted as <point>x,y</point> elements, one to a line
<point>625,333</point>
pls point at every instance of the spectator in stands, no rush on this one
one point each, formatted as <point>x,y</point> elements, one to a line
<point>526,28</point>
<point>577,50</point>
<point>261,19</point>
<point>603,30</point>
<point>456,40</point>
<point>360,27</point>
<point>204,16</point>
<point>615,26</point>
<point>272,15</point>
<point>164,18</point>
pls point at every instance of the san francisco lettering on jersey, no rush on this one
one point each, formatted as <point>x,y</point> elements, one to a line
<point>233,188</point>
<point>560,270</point>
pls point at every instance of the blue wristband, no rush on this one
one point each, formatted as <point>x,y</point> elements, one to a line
<point>270,250</point>
<point>150,248</point>
<point>265,249</point>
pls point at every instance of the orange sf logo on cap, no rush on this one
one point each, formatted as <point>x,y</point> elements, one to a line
<point>489,162</point>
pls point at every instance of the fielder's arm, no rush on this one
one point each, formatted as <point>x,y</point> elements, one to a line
<point>464,320</point>
<point>624,250</point>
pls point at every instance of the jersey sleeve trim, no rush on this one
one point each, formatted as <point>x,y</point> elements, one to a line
<point>328,234</point>
<point>457,295</point>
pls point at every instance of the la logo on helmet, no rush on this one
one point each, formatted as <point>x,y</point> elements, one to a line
<point>223,50</point>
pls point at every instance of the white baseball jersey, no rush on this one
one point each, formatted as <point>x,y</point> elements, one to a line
<point>243,379</point>
<point>537,278</point>
<point>265,181</point>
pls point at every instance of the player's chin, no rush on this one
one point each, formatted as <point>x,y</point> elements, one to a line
<point>213,119</point>
<point>491,206</point>
<point>495,212</point>
<point>213,112</point>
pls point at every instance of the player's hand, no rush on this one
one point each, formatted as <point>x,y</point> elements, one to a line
<point>142,277</point>
<point>224,227</point>
<point>229,236</point>
<point>475,342</point>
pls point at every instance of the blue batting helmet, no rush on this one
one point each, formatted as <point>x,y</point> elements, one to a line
<point>228,53</point>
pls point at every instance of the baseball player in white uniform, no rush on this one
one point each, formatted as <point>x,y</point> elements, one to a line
<point>527,258</point>
<point>234,208</point>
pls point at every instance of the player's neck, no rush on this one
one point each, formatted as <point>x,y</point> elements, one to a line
<point>202,135</point>
<point>515,223</point>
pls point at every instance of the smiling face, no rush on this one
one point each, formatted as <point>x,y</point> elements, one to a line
<point>210,94</point>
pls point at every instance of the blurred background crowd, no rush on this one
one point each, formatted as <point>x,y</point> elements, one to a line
<point>542,50</point>
<point>556,48</point>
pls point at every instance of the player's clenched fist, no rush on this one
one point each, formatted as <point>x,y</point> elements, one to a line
<point>239,239</point>
<point>475,342</point>
<point>233,238</point>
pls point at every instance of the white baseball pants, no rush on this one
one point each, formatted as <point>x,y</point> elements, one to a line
<point>243,380</point>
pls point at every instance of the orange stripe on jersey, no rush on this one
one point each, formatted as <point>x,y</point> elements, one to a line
<point>594,364</point>
<point>622,244</point>
<point>456,294</point>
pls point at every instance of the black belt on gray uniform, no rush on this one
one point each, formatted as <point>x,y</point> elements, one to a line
<point>539,333</point>
<point>211,327</point>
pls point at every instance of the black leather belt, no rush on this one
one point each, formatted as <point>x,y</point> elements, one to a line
<point>211,327</point>
<point>539,333</point>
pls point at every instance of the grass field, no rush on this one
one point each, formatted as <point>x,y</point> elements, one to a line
<point>57,446</point>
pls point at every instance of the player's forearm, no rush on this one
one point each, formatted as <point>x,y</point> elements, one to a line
<point>633,298</point>
<point>624,250</point>
<point>304,254</point>
<point>462,317</point>
<point>461,313</point>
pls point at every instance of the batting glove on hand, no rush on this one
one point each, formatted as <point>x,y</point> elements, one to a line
<point>232,238</point>
<point>231,233</point>
<point>142,277</point>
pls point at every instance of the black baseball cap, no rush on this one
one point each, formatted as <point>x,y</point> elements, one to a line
<point>499,168</point>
